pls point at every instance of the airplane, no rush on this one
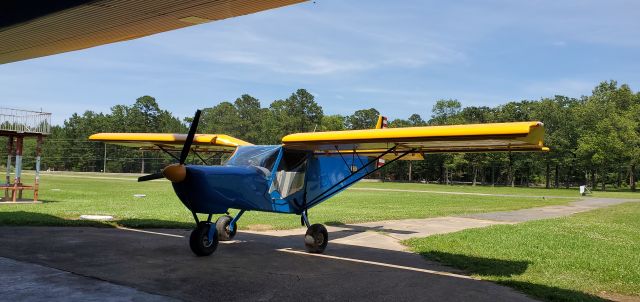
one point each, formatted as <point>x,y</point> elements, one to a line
<point>305,170</point>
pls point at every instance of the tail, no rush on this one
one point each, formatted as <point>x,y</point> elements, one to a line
<point>382,122</point>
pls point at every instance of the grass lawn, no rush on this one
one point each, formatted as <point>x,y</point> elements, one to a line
<point>70,195</point>
<point>577,258</point>
<point>572,192</point>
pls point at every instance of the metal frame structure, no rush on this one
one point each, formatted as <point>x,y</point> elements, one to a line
<point>16,125</point>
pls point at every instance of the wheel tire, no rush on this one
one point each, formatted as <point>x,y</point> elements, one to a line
<point>222,226</point>
<point>199,240</point>
<point>316,238</point>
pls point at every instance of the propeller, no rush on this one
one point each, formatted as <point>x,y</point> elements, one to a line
<point>177,172</point>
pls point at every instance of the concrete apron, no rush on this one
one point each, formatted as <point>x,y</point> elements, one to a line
<point>364,262</point>
<point>388,234</point>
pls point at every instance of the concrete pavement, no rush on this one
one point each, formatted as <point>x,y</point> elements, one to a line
<point>364,262</point>
<point>256,267</point>
<point>23,281</point>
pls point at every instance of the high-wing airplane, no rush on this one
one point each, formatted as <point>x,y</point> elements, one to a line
<point>303,171</point>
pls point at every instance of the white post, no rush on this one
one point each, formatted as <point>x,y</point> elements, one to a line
<point>8,177</point>
<point>9,152</point>
<point>18,170</point>
<point>104,159</point>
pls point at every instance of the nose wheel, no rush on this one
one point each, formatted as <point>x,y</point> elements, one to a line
<point>201,242</point>
<point>225,231</point>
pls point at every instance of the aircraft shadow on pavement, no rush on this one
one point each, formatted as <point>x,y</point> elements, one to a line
<point>155,223</point>
<point>359,228</point>
<point>21,218</point>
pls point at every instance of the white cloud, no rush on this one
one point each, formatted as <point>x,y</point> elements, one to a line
<point>321,45</point>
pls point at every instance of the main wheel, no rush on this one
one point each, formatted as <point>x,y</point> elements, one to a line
<point>316,238</point>
<point>222,226</point>
<point>199,240</point>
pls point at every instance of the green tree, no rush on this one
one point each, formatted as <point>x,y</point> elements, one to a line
<point>446,112</point>
<point>298,113</point>
<point>250,118</point>
<point>362,119</point>
<point>333,122</point>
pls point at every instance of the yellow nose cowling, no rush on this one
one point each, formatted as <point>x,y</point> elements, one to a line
<point>175,173</point>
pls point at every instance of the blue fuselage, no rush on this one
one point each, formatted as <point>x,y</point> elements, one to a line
<point>269,178</point>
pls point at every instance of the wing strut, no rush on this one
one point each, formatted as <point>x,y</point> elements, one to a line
<point>167,152</point>
<point>330,191</point>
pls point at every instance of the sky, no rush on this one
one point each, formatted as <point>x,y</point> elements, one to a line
<point>399,57</point>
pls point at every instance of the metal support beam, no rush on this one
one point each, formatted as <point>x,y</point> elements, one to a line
<point>17,180</point>
<point>305,218</point>
<point>37,180</point>
<point>232,224</point>
<point>104,159</point>
<point>9,157</point>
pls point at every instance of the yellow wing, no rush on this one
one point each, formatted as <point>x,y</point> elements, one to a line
<point>168,141</point>
<point>517,136</point>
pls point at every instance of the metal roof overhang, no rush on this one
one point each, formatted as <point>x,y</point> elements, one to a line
<point>37,28</point>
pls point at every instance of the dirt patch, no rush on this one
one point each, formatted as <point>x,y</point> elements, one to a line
<point>619,297</point>
<point>259,227</point>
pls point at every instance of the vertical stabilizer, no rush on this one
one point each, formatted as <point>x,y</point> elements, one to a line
<point>381,124</point>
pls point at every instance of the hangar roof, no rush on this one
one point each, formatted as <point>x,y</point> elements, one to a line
<point>36,28</point>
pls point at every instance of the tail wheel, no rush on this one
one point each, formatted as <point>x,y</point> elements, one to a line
<point>199,240</point>
<point>316,238</point>
<point>222,226</point>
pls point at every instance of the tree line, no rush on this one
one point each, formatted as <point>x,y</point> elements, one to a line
<point>594,139</point>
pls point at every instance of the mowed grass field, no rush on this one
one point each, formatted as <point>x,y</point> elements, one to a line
<point>591,256</point>
<point>532,191</point>
<point>67,196</point>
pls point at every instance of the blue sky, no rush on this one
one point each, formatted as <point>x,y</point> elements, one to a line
<point>397,56</point>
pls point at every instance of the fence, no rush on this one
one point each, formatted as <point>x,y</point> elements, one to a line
<point>24,121</point>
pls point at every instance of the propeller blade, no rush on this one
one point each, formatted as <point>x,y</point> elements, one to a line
<point>189,141</point>
<point>151,177</point>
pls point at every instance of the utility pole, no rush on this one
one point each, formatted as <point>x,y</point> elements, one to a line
<point>142,168</point>
<point>410,171</point>
<point>104,159</point>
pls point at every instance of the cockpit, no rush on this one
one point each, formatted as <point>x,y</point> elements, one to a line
<point>289,176</point>
<point>261,157</point>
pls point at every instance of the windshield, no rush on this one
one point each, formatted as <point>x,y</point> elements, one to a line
<point>259,156</point>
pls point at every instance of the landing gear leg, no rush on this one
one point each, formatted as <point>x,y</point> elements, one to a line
<point>204,238</point>
<point>316,238</point>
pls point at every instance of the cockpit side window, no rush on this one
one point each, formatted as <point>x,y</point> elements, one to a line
<point>290,175</point>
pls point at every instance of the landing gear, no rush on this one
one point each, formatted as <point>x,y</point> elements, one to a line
<point>225,232</point>
<point>204,239</point>
<point>201,241</point>
<point>316,238</point>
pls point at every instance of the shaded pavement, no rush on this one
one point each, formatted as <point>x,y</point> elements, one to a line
<point>364,262</point>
